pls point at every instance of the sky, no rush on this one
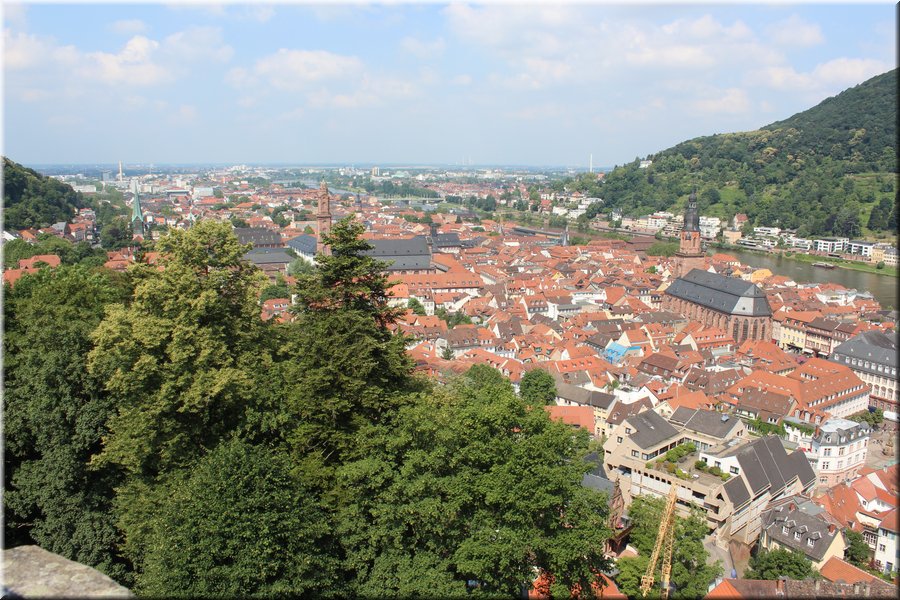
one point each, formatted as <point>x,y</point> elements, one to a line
<point>427,83</point>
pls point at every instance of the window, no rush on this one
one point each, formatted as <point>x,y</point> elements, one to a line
<point>888,567</point>
<point>881,548</point>
<point>628,430</point>
<point>827,452</point>
<point>619,439</point>
<point>810,542</point>
<point>719,464</point>
<point>796,535</point>
<point>826,465</point>
<point>823,480</point>
<point>734,470</point>
<point>634,453</point>
<point>784,529</point>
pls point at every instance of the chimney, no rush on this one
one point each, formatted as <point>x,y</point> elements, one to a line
<point>831,528</point>
<point>818,585</point>
<point>792,507</point>
<point>779,586</point>
<point>866,588</point>
<point>856,589</point>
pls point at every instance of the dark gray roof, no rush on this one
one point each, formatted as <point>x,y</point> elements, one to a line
<point>304,244</point>
<point>737,491</point>
<point>724,294</point>
<point>580,395</point>
<point>596,478</point>
<point>810,527</point>
<point>446,240</point>
<point>708,422</point>
<point>872,346</point>
<point>268,256</point>
<point>410,254</point>
<point>765,464</point>
<point>660,316</point>
<point>650,429</point>
<point>258,236</point>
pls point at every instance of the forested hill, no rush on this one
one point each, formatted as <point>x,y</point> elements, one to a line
<point>33,200</point>
<point>828,170</point>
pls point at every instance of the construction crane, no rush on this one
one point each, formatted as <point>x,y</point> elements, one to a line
<point>665,542</point>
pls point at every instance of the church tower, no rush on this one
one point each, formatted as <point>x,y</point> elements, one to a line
<point>323,217</point>
<point>137,215</point>
<point>690,252</point>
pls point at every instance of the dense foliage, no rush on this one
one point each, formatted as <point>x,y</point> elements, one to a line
<point>538,387</point>
<point>772,564</point>
<point>828,170</point>
<point>158,430</point>
<point>33,200</point>
<point>691,575</point>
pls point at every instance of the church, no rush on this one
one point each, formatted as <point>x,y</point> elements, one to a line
<point>738,307</point>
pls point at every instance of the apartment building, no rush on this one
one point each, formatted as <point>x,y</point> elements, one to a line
<point>831,245</point>
<point>798,524</point>
<point>872,356</point>
<point>838,451</point>
<point>886,550</point>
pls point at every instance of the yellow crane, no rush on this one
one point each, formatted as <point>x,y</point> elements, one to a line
<point>665,541</point>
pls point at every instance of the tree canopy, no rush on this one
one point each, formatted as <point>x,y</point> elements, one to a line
<point>772,564</point>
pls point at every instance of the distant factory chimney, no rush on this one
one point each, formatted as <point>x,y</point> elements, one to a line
<point>121,176</point>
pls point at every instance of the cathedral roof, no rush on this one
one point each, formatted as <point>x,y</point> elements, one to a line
<point>724,294</point>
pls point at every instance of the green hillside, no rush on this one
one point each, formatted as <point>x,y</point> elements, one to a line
<point>33,200</point>
<point>829,170</point>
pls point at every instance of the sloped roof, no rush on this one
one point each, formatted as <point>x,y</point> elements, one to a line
<point>724,294</point>
<point>650,429</point>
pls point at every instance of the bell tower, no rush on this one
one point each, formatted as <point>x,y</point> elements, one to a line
<point>690,252</point>
<point>323,218</point>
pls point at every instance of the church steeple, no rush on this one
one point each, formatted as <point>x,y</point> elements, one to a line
<point>137,215</point>
<point>692,214</point>
<point>323,217</point>
<point>690,250</point>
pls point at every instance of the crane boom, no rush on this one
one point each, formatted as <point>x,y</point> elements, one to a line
<point>665,537</point>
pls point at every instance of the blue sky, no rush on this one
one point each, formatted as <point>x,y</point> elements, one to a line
<point>418,83</point>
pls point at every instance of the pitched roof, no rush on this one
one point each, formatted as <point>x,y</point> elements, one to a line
<point>724,294</point>
<point>650,429</point>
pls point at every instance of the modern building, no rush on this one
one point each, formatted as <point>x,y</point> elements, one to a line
<point>831,245</point>
<point>872,356</point>
<point>738,307</point>
<point>886,550</point>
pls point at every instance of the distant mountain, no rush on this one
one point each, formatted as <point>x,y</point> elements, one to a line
<point>33,200</point>
<point>828,170</point>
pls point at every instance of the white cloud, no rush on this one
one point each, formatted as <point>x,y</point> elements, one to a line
<point>828,77</point>
<point>729,101</point>
<point>23,50</point>
<point>132,65</point>
<point>423,49</point>
<point>129,26</point>
<point>298,69</point>
<point>34,95</point>
<point>186,112</point>
<point>794,31</point>
<point>14,13</point>
<point>462,79</point>
<point>196,45</point>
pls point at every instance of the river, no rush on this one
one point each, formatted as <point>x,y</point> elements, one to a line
<point>883,287</point>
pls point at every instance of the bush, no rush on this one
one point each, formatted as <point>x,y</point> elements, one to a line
<point>700,465</point>
<point>880,265</point>
<point>715,471</point>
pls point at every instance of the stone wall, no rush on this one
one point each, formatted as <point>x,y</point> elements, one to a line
<point>32,572</point>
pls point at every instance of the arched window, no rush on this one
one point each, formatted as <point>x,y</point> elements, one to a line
<point>744,330</point>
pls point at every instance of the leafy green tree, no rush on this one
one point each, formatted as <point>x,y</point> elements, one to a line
<point>237,524</point>
<point>857,551</point>
<point>447,353</point>
<point>470,485</point>
<point>237,222</point>
<point>180,358</point>
<point>276,290</point>
<point>631,569</point>
<point>690,574</point>
<point>117,234</point>
<point>416,306</point>
<point>300,266</point>
<point>55,415</point>
<point>538,387</point>
<point>33,200</point>
<point>772,564</point>
<point>662,249</point>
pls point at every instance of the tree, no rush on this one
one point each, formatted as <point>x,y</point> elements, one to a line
<point>447,497</point>
<point>276,290</point>
<point>447,353</point>
<point>117,234</point>
<point>690,574</point>
<point>55,415</point>
<point>300,266</point>
<point>416,306</point>
<point>237,222</point>
<point>237,524</point>
<point>772,564</point>
<point>857,551</point>
<point>538,387</point>
<point>347,278</point>
<point>180,358</point>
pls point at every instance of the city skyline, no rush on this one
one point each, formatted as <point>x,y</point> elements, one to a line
<point>432,83</point>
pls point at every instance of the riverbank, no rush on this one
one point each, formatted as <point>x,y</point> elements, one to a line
<point>810,258</point>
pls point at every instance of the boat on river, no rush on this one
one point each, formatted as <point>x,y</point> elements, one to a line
<point>824,265</point>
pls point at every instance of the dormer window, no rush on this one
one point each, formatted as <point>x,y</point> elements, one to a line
<point>784,529</point>
<point>796,535</point>
<point>810,542</point>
